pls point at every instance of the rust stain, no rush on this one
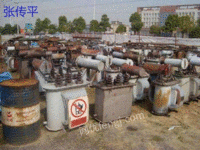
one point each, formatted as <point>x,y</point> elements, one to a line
<point>162,99</point>
<point>19,82</point>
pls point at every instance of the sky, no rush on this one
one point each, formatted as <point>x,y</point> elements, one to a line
<point>117,10</point>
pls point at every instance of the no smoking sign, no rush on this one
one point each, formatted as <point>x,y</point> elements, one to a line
<point>78,112</point>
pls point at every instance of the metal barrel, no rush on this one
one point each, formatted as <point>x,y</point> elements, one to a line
<point>20,110</point>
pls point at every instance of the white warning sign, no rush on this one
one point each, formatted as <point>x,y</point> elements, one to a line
<point>78,112</point>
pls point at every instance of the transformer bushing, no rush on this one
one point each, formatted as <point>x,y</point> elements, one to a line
<point>67,104</point>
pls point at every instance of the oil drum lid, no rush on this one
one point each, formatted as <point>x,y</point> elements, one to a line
<point>19,82</point>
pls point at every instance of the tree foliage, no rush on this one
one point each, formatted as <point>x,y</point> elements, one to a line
<point>195,33</point>
<point>94,25</point>
<point>79,24</point>
<point>62,20</point>
<point>121,28</point>
<point>1,29</point>
<point>8,29</point>
<point>185,24</point>
<point>41,25</point>
<point>136,23</point>
<point>45,23</point>
<point>52,29</point>
<point>171,23</point>
<point>198,22</point>
<point>38,26</point>
<point>104,23</point>
<point>155,30</point>
<point>69,27</point>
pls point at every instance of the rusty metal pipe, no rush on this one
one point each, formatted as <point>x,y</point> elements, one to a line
<point>154,68</point>
<point>134,70</point>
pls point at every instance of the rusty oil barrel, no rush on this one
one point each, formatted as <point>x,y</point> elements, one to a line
<point>20,110</point>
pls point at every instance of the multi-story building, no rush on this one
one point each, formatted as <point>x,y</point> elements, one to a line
<point>156,15</point>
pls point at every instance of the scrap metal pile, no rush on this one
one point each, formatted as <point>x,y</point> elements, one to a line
<point>166,75</point>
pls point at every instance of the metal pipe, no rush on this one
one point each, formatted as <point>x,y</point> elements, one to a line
<point>118,55</point>
<point>120,62</point>
<point>195,61</point>
<point>134,70</point>
<point>102,58</point>
<point>183,63</point>
<point>154,68</point>
<point>90,63</point>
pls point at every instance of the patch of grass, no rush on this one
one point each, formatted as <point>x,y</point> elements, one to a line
<point>131,128</point>
<point>180,138</point>
<point>157,138</point>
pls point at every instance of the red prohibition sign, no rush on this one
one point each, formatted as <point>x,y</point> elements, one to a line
<point>74,104</point>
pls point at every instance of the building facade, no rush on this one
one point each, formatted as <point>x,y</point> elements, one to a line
<point>156,15</point>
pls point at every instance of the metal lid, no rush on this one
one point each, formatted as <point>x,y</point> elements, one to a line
<point>19,83</point>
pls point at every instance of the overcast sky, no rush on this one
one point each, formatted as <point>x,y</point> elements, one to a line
<point>115,9</point>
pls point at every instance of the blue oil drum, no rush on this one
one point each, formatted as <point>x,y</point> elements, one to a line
<point>20,110</point>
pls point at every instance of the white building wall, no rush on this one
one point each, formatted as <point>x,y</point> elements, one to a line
<point>193,13</point>
<point>150,17</point>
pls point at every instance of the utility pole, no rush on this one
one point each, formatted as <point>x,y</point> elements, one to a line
<point>17,20</point>
<point>94,10</point>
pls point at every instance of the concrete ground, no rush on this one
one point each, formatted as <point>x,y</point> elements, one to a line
<point>141,131</point>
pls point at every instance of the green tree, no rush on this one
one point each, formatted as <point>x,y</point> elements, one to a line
<point>62,20</point>
<point>1,29</point>
<point>171,23</point>
<point>136,23</point>
<point>156,30</point>
<point>45,24</point>
<point>121,28</point>
<point>185,24</point>
<point>198,22</point>
<point>94,26</point>
<point>104,23</point>
<point>79,24</point>
<point>14,29</point>
<point>69,27</point>
<point>195,33</point>
<point>7,29</point>
<point>52,29</point>
<point>38,26</point>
